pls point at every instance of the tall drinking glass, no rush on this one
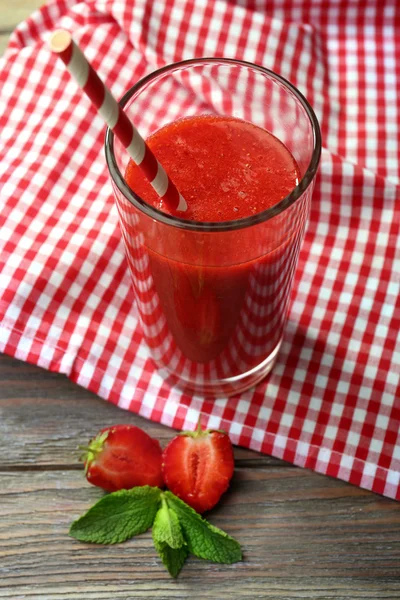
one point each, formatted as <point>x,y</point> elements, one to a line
<point>213,296</point>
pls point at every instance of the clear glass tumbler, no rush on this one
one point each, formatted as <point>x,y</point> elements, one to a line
<point>214,323</point>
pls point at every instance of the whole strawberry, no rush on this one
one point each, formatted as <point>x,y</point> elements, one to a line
<point>123,457</point>
<point>198,466</point>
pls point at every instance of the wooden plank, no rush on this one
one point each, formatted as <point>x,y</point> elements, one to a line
<point>303,536</point>
<point>49,416</point>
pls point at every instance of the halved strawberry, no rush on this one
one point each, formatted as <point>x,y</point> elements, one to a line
<point>197,466</point>
<point>122,457</point>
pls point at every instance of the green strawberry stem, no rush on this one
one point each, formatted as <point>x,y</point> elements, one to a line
<point>199,432</point>
<point>94,448</point>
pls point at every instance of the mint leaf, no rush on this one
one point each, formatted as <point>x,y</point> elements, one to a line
<point>173,558</point>
<point>118,516</point>
<point>168,538</point>
<point>166,528</point>
<point>203,539</point>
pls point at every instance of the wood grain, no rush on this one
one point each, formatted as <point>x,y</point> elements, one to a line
<point>50,416</point>
<point>303,535</point>
<point>292,527</point>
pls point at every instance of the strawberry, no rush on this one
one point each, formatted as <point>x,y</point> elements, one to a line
<point>123,457</point>
<point>198,466</point>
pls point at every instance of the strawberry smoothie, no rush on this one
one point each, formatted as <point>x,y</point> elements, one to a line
<point>225,168</point>
<point>216,313</point>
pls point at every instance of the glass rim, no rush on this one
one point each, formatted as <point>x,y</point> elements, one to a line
<point>209,226</point>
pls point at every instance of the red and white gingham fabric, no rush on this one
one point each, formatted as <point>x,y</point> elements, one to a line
<point>332,403</point>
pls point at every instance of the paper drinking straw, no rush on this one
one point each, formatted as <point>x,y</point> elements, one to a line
<point>62,44</point>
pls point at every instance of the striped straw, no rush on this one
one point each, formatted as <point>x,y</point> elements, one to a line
<point>61,43</point>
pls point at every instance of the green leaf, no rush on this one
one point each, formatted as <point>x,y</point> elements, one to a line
<point>203,539</point>
<point>166,528</point>
<point>118,516</point>
<point>172,558</point>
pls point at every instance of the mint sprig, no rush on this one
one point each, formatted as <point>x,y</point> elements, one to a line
<point>177,529</point>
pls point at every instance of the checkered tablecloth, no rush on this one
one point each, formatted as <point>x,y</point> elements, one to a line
<point>332,403</point>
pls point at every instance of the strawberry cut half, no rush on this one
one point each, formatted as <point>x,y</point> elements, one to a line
<point>198,466</point>
<point>123,457</point>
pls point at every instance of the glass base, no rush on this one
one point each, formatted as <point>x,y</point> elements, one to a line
<point>224,387</point>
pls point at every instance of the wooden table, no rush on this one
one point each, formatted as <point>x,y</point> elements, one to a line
<point>303,535</point>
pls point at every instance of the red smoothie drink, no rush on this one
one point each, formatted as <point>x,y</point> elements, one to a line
<point>212,284</point>
<point>215,314</point>
<point>225,168</point>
